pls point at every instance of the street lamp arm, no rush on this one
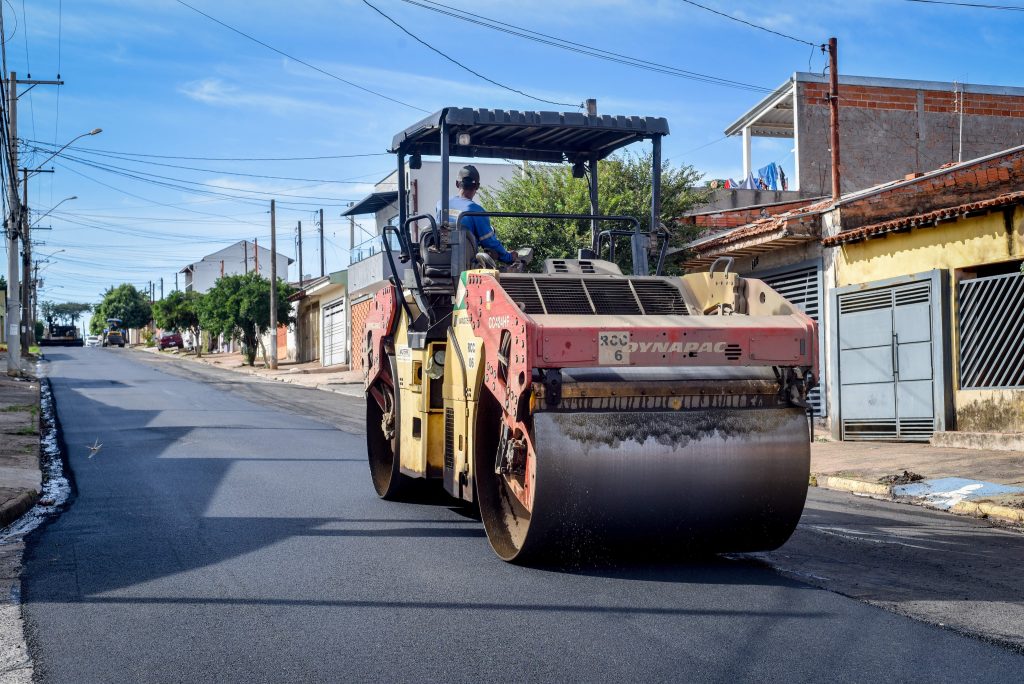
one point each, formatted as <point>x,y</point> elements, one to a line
<point>52,208</point>
<point>95,131</point>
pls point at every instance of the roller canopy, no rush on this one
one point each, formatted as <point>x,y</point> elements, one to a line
<point>533,136</point>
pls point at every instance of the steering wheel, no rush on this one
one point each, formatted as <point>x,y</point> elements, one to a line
<point>486,261</point>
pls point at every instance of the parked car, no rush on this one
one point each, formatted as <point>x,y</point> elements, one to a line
<point>92,341</point>
<point>170,338</point>
<point>113,338</point>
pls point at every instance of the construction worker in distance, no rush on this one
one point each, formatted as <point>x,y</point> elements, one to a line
<point>468,182</point>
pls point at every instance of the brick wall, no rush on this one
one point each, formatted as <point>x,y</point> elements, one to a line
<point>360,310</point>
<point>886,133</point>
<point>732,218</point>
<point>960,184</point>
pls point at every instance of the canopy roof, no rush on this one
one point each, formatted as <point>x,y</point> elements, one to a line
<point>534,136</point>
<point>372,202</point>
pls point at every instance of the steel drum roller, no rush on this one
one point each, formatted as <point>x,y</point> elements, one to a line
<point>716,480</point>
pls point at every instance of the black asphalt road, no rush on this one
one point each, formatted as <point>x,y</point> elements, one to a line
<point>217,537</point>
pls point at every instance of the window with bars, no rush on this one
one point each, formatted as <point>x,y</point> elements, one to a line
<point>991,327</point>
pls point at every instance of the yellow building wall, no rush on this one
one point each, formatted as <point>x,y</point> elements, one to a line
<point>967,242</point>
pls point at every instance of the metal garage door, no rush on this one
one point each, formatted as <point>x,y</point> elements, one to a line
<point>886,370</point>
<point>335,339</point>
<point>802,287</point>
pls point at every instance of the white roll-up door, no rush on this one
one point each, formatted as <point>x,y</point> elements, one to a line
<point>335,337</point>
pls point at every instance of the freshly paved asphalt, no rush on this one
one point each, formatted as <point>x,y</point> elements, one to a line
<point>217,537</point>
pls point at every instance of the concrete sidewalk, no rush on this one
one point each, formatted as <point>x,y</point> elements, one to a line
<point>337,379</point>
<point>983,483</point>
<point>20,474</point>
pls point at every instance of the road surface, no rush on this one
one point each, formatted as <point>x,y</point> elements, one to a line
<point>226,530</point>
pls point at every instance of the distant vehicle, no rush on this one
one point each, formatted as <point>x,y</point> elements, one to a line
<point>170,338</point>
<point>92,341</point>
<point>61,336</point>
<point>114,335</point>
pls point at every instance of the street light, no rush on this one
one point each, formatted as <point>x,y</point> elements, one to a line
<point>95,131</point>
<point>73,197</point>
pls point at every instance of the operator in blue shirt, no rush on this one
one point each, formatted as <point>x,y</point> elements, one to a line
<point>468,183</point>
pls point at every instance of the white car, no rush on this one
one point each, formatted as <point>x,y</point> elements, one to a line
<point>92,341</point>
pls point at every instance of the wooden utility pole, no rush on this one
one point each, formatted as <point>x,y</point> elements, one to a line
<point>28,332</point>
<point>245,260</point>
<point>161,287</point>
<point>833,104</point>
<point>323,261</point>
<point>273,286</point>
<point>256,255</point>
<point>302,278</point>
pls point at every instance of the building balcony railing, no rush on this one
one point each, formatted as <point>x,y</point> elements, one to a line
<point>371,246</point>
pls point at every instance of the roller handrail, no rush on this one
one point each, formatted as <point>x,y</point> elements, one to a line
<point>396,279</point>
<point>433,226</point>
<point>729,261</point>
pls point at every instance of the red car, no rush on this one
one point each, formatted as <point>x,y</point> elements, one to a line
<point>170,339</point>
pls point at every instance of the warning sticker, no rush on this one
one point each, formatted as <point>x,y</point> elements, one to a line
<point>613,348</point>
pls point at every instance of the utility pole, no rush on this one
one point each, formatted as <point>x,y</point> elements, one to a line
<point>28,337</point>
<point>256,255</point>
<point>35,292</point>
<point>15,221</point>
<point>161,287</point>
<point>323,262</point>
<point>245,246</point>
<point>26,264</point>
<point>273,286</point>
<point>175,282</point>
<point>351,236</point>
<point>302,277</point>
<point>833,103</point>
<point>13,232</point>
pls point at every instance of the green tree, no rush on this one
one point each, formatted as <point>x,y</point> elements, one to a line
<point>48,313</point>
<point>3,283</point>
<point>180,311</point>
<point>124,302</point>
<point>624,189</point>
<point>238,307</point>
<point>70,312</point>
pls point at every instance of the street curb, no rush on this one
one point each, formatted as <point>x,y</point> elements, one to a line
<point>979,509</point>
<point>982,509</point>
<point>18,506</point>
<point>845,484</point>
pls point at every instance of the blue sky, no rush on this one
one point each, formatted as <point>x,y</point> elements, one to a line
<point>160,79</point>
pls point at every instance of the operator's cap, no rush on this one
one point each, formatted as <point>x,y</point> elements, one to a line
<point>470,174</point>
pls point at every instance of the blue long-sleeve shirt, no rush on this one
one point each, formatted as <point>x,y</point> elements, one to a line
<point>480,226</point>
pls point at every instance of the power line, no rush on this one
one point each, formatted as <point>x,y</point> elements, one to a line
<point>463,66</point>
<point>194,168</point>
<point>976,5</point>
<point>300,61</point>
<point>751,24</point>
<point>236,159</point>
<point>581,48</point>
<point>170,182</point>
